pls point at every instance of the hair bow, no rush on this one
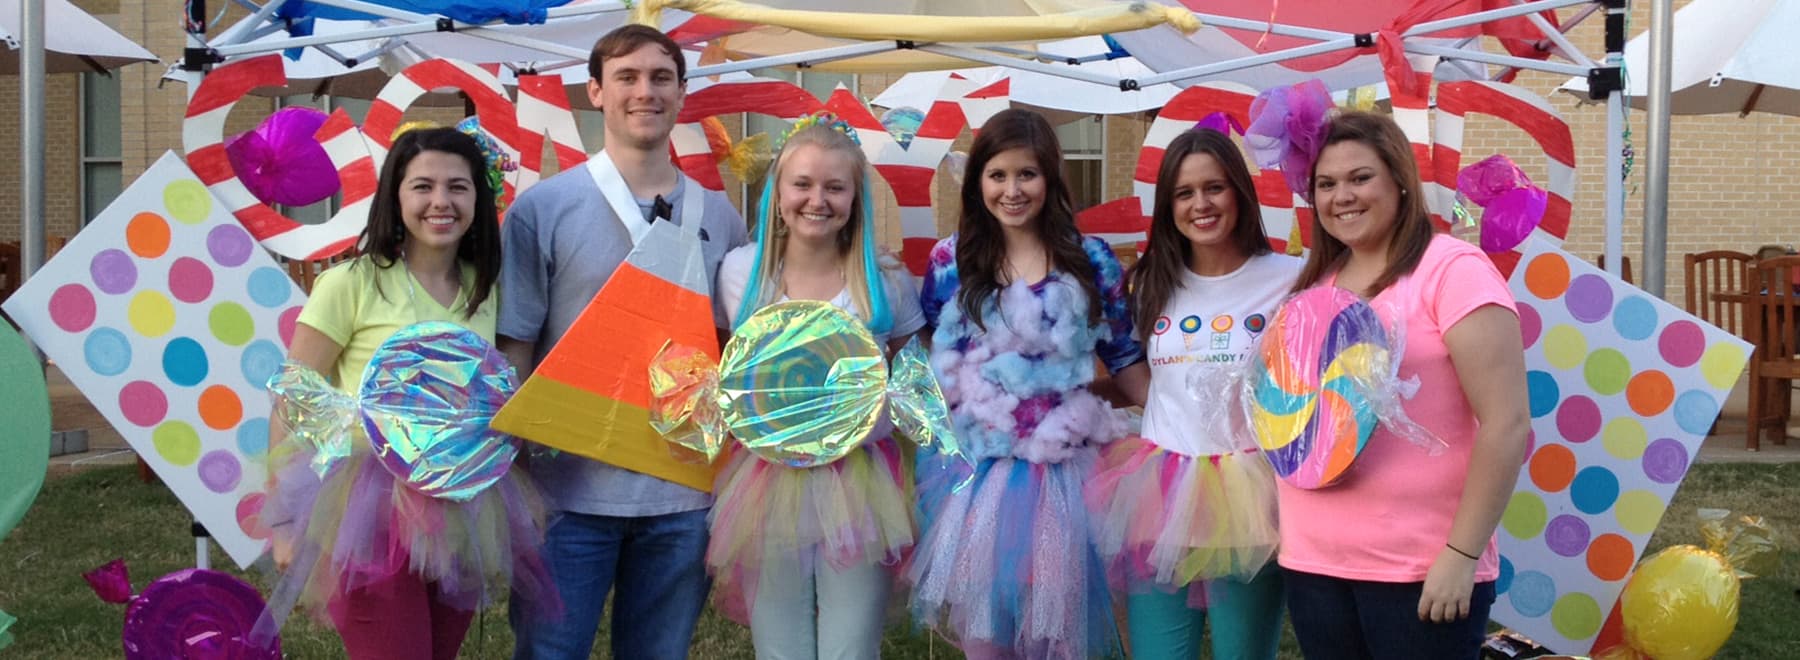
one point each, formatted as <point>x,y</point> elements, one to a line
<point>1287,130</point>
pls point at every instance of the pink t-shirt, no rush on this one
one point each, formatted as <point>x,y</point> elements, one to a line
<point>1388,519</point>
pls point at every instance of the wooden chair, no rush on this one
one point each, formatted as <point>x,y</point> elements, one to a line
<point>10,269</point>
<point>1775,333</point>
<point>1624,267</point>
<point>304,272</point>
<point>1718,271</point>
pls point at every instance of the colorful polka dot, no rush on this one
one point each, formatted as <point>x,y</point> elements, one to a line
<point>229,245</point>
<point>1542,392</point>
<point>1634,318</point>
<point>220,471</point>
<point>1576,615</point>
<point>284,325</point>
<point>177,443</point>
<point>270,287</point>
<point>1594,490</point>
<point>1624,438</point>
<point>1638,511</point>
<point>1530,324</point>
<point>1589,298</point>
<point>151,313</point>
<point>231,324</point>
<point>187,201</point>
<point>1504,581</point>
<point>220,408</point>
<point>1610,557</point>
<point>253,438</point>
<point>113,271</point>
<point>1525,515</point>
<point>147,235</point>
<point>1552,467</point>
<point>1607,371</point>
<point>72,307</point>
<point>143,403</point>
<point>1665,461</point>
<point>1695,411</point>
<point>1547,276</point>
<point>261,361</point>
<point>190,280</point>
<point>1681,343</point>
<point>1532,593</point>
<point>1566,535</point>
<point>1578,419</point>
<point>107,352</point>
<point>184,362</point>
<point>1649,393</point>
<point>1564,347</point>
<point>249,516</point>
<point>1722,363</point>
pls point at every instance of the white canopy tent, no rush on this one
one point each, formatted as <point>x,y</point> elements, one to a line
<point>73,41</point>
<point>1729,56</point>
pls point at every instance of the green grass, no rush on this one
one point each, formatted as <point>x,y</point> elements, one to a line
<point>82,521</point>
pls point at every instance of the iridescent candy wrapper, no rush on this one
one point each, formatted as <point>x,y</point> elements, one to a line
<point>427,397</point>
<point>314,413</point>
<point>800,383</point>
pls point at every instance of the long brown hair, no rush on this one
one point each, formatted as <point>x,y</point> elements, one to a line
<point>1158,274</point>
<point>981,243</point>
<point>1412,228</point>
<point>385,233</point>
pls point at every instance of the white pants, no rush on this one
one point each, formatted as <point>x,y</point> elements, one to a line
<point>822,613</point>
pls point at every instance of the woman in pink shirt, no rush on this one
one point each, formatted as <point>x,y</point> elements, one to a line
<point>1397,560</point>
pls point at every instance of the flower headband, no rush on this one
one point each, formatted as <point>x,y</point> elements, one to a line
<point>821,118</point>
<point>1287,129</point>
<point>498,161</point>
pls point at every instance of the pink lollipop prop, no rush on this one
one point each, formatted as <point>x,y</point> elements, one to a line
<point>191,614</point>
<point>280,161</point>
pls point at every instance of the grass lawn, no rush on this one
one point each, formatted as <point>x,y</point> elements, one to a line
<point>85,520</point>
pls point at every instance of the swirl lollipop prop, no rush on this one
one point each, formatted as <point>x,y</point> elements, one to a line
<point>193,614</point>
<point>1320,383</point>
<point>800,383</point>
<point>425,402</point>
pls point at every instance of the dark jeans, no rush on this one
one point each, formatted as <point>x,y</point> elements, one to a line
<point>1337,619</point>
<point>656,563</point>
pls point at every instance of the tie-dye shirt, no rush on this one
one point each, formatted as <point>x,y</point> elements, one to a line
<point>1019,389</point>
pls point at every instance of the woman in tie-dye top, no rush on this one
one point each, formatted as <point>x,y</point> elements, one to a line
<point>1019,304</point>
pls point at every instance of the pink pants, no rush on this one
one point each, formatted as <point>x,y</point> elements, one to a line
<point>400,618</point>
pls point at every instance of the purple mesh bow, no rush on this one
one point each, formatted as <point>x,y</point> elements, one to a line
<point>1511,206</point>
<point>1287,130</point>
<point>1221,122</point>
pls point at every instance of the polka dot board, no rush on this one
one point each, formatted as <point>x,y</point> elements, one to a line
<point>165,314</point>
<point>1623,387</point>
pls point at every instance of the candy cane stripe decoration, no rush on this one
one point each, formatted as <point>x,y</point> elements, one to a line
<point>1180,115</point>
<point>203,137</point>
<point>775,98</point>
<point>1523,109</point>
<point>543,110</point>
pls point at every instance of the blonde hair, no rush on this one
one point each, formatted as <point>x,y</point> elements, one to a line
<point>853,238</point>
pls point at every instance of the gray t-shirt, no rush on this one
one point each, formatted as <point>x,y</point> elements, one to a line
<point>560,243</point>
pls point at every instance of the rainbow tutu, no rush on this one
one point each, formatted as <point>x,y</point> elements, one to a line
<point>357,526</point>
<point>1164,520</point>
<point>1005,564</point>
<point>850,512</point>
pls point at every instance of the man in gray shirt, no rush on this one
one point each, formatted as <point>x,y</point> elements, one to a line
<point>561,242</point>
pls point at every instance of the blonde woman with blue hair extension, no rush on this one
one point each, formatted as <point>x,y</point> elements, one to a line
<point>804,556</point>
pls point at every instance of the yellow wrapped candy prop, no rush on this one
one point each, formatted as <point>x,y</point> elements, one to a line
<point>1682,602</point>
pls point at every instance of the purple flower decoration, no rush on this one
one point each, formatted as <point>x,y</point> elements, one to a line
<point>281,162</point>
<point>1221,122</point>
<point>1287,130</point>
<point>1511,206</point>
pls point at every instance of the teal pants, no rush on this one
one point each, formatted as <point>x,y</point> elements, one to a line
<point>1246,620</point>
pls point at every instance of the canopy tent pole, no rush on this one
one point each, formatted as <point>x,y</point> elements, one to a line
<point>1656,170</point>
<point>31,144</point>
<point>1615,141</point>
<point>995,59</point>
<point>1346,43</point>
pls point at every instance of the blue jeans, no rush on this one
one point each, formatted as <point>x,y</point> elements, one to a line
<point>658,565</point>
<point>1357,620</point>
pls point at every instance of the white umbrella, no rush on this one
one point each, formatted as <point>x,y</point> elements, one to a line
<point>73,41</point>
<point>1728,56</point>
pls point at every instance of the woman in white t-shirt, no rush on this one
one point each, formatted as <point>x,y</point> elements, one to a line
<point>1187,512</point>
<point>803,555</point>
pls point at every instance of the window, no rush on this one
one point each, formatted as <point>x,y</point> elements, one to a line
<point>1084,152</point>
<point>102,168</point>
<point>820,83</point>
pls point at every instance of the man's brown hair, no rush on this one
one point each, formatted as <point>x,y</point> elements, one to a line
<point>625,40</point>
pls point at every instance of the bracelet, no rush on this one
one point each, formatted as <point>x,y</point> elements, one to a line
<point>1460,552</point>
